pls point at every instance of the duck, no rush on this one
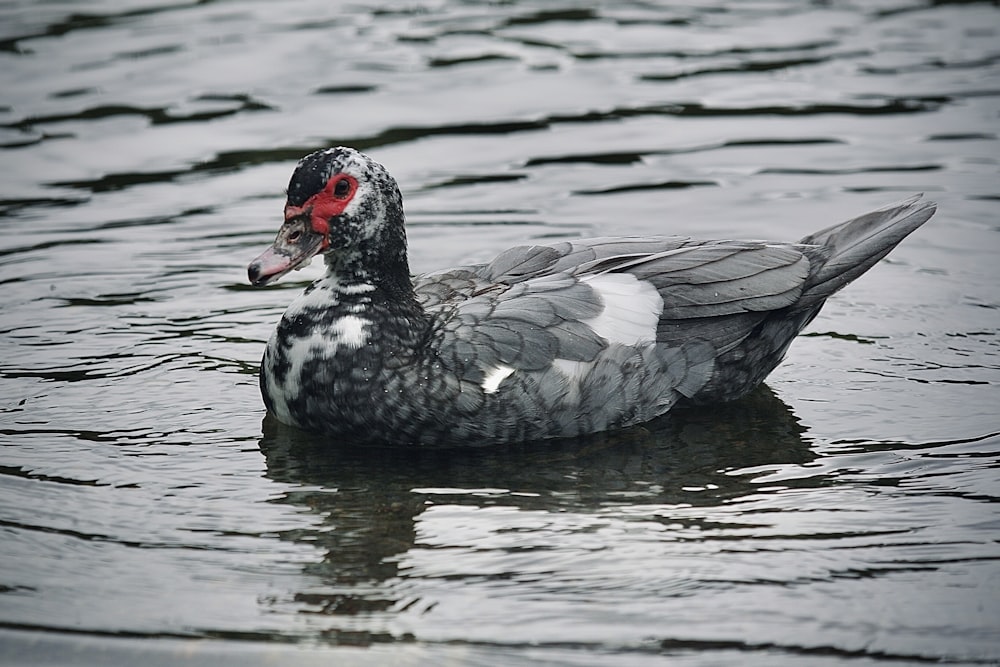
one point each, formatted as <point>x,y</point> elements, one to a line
<point>546,340</point>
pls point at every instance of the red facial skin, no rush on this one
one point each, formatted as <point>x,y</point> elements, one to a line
<point>325,204</point>
<point>294,244</point>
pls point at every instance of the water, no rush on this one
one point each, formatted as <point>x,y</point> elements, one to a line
<point>149,513</point>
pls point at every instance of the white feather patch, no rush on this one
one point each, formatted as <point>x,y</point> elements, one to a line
<point>350,330</point>
<point>494,377</point>
<point>573,370</point>
<point>632,308</point>
<point>300,350</point>
<point>356,288</point>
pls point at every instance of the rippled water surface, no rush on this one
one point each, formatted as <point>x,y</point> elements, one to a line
<point>150,514</point>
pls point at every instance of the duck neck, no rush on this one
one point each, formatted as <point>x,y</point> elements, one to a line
<point>380,261</point>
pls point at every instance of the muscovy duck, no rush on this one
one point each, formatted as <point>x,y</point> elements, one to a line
<point>548,340</point>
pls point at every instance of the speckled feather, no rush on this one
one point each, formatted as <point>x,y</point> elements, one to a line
<point>546,340</point>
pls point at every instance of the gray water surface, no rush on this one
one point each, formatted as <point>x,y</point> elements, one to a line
<point>846,514</point>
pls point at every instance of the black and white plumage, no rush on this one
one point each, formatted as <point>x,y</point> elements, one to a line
<point>545,341</point>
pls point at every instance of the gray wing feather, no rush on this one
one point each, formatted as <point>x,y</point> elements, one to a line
<point>715,279</point>
<point>689,365</point>
<point>576,341</point>
<point>588,255</point>
<point>515,345</point>
<point>522,262</point>
<point>526,325</point>
<point>724,333</point>
<point>442,288</point>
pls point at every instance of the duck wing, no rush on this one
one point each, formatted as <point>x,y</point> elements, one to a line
<point>511,313</point>
<point>575,305</point>
<point>698,282</point>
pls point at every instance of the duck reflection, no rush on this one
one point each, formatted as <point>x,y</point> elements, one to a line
<point>371,499</point>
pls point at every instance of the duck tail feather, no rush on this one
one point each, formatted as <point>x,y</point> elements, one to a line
<point>851,248</point>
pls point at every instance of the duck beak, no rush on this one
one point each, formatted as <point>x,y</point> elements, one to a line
<point>293,248</point>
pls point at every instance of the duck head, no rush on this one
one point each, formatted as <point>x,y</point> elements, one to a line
<point>340,204</point>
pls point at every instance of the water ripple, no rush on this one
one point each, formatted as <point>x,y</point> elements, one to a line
<point>848,514</point>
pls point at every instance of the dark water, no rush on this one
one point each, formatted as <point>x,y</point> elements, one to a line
<point>149,514</point>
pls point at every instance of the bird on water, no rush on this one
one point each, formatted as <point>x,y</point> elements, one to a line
<point>544,341</point>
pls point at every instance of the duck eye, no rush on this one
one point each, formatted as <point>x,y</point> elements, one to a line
<point>342,188</point>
